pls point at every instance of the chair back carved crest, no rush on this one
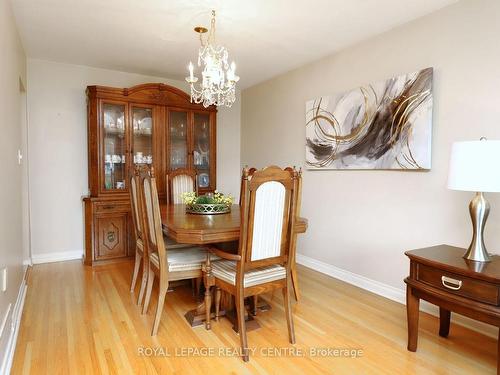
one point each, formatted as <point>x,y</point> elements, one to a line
<point>180,181</point>
<point>250,172</point>
<point>299,187</point>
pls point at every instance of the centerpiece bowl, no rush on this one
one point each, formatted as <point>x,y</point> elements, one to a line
<point>208,204</point>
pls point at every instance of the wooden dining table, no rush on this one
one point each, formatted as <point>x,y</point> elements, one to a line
<point>211,229</point>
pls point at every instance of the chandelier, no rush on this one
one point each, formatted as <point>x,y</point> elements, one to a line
<point>218,77</point>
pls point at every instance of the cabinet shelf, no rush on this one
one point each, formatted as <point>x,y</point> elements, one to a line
<point>113,131</point>
<point>143,133</point>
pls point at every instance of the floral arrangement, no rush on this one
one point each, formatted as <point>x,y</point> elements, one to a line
<point>210,203</point>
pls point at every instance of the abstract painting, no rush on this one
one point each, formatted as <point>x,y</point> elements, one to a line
<point>385,125</point>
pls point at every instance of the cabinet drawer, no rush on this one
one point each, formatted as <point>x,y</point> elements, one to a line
<point>457,284</point>
<point>103,207</point>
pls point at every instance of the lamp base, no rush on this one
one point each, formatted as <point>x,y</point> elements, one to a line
<point>479,209</point>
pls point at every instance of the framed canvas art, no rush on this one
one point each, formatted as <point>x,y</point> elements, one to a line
<point>384,125</point>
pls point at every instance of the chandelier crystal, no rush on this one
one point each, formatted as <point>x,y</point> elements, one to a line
<point>219,79</point>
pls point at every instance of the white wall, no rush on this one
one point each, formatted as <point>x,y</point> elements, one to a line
<point>228,152</point>
<point>58,150</point>
<point>12,70</point>
<point>363,221</point>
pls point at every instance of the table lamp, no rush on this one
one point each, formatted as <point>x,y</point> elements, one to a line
<point>475,166</point>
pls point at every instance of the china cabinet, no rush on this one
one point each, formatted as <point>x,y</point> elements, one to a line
<point>152,124</point>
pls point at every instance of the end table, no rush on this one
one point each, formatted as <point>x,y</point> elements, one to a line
<point>442,277</point>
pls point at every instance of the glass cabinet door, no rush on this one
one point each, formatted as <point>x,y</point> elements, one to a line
<point>201,149</point>
<point>114,146</point>
<point>178,129</point>
<point>142,139</point>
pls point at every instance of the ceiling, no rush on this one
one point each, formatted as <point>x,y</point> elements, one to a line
<point>156,37</point>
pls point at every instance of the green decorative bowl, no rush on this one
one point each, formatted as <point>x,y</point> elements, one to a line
<point>208,209</point>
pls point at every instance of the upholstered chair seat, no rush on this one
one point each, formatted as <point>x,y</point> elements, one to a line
<point>183,259</point>
<point>226,271</point>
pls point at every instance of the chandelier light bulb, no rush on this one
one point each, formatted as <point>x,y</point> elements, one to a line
<point>191,79</point>
<point>191,70</point>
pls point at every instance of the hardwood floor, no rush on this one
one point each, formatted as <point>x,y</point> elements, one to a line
<point>79,320</point>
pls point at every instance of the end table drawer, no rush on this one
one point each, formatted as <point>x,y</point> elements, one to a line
<point>458,284</point>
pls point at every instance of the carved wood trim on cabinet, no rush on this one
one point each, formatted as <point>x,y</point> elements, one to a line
<point>112,241</point>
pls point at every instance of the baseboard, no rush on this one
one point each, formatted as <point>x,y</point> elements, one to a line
<point>56,257</point>
<point>12,329</point>
<point>390,292</point>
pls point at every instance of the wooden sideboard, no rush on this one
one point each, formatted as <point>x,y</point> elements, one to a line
<point>150,124</point>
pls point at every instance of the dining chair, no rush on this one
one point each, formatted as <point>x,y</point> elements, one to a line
<point>139,241</point>
<point>268,214</point>
<point>293,251</point>
<point>164,263</point>
<point>180,181</point>
<point>250,172</point>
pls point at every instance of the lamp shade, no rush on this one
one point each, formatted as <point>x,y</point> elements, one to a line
<point>475,166</point>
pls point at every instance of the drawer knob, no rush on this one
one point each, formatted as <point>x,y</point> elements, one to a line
<point>108,207</point>
<point>450,283</point>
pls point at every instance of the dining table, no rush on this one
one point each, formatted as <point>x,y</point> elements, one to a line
<point>222,229</point>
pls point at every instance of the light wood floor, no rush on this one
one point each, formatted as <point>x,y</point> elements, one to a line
<point>82,320</point>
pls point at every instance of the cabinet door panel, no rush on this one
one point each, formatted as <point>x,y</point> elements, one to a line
<point>114,157</point>
<point>142,134</point>
<point>112,236</point>
<point>202,149</point>
<point>178,139</point>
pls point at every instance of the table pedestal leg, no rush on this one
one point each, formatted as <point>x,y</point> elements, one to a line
<point>412,310</point>
<point>197,317</point>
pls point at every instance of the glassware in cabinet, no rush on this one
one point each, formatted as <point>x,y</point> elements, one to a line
<point>142,130</point>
